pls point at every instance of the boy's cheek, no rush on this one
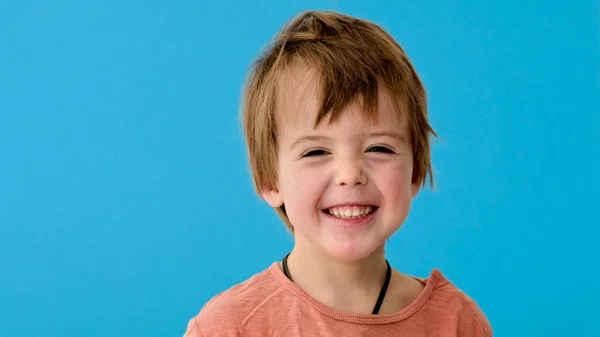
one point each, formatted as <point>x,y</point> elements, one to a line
<point>396,184</point>
<point>308,182</point>
<point>299,180</point>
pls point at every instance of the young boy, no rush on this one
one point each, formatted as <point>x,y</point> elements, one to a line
<point>338,138</point>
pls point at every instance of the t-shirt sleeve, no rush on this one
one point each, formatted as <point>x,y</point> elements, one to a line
<point>213,324</point>
<point>472,322</point>
<point>192,329</point>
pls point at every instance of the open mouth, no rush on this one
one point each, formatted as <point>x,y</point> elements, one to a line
<point>350,212</point>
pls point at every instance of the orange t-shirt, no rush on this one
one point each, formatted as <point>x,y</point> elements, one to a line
<point>269,304</point>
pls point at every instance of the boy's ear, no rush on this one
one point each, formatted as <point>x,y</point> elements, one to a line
<point>272,197</point>
<point>414,189</point>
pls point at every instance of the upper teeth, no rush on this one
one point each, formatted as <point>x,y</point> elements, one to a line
<point>350,212</point>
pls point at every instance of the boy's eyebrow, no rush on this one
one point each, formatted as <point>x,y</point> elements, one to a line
<point>307,138</point>
<point>392,134</point>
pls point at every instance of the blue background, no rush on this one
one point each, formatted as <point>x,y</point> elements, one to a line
<point>126,200</point>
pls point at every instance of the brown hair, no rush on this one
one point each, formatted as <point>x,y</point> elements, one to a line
<point>351,56</point>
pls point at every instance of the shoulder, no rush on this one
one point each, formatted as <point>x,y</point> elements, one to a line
<point>445,300</point>
<point>226,313</point>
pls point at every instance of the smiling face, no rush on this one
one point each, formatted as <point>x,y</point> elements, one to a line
<point>346,185</point>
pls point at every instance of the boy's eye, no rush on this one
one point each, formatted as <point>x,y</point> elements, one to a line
<point>381,149</point>
<point>314,153</point>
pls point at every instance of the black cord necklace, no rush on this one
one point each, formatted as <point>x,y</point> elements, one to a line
<point>382,292</point>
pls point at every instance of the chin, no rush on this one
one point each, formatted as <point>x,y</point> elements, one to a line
<point>351,253</point>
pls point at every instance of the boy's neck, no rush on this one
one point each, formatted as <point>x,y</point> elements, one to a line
<point>346,286</point>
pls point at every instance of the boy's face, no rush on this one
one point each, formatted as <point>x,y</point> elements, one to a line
<point>346,186</point>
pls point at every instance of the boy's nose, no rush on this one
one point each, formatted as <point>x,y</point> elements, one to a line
<point>350,173</point>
